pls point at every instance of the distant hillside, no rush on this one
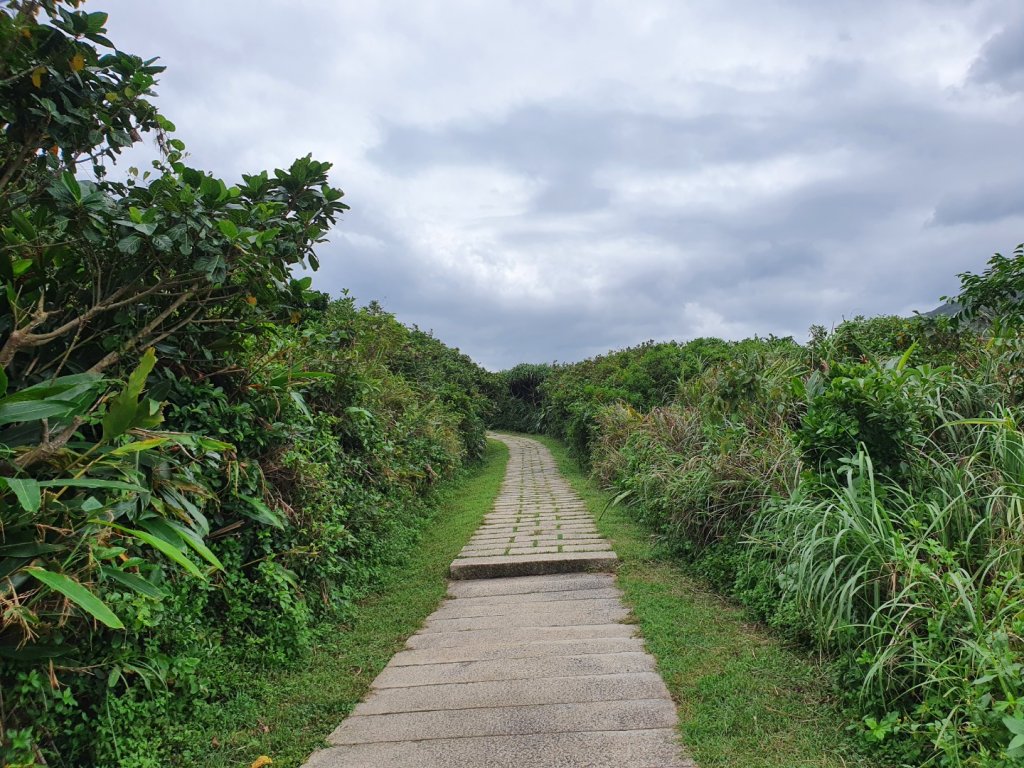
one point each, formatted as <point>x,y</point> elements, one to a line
<point>948,309</point>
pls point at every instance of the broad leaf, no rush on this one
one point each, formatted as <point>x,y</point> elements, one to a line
<point>27,491</point>
<point>139,446</point>
<point>34,410</point>
<point>156,542</point>
<point>78,595</point>
<point>123,409</point>
<point>33,652</point>
<point>91,482</point>
<point>195,541</point>
<point>257,510</point>
<point>133,582</point>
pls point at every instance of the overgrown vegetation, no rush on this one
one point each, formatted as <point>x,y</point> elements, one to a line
<point>202,458</point>
<point>862,493</point>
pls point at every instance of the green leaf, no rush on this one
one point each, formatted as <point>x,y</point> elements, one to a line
<point>169,550</point>
<point>91,482</point>
<point>23,225</point>
<point>260,512</point>
<point>94,22</point>
<point>78,595</point>
<point>1014,725</point>
<point>140,446</point>
<point>26,490</point>
<point>300,402</point>
<point>148,415</point>
<point>124,407</point>
<point>29,549</point>
<point>209,444</point>
<point>3,382</point>
<point>195,541</point>
<point>34,410</point>
<point>133,582</point>
<point>129,245</point>
<point>137,379</point>
<point>70,183</point>
<point>33,652</point>
<point>227,228</point>
<point>67,387</point>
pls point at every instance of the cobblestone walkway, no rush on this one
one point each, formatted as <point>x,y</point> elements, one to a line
<point>528,664</point>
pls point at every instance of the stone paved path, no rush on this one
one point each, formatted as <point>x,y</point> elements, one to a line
<point>520,671</point>
<point>538,524</point>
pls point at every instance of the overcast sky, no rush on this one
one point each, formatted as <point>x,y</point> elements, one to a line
<point>549,179</point>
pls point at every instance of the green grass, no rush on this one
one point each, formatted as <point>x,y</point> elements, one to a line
<point>286,714</point>
<point>744,698</point>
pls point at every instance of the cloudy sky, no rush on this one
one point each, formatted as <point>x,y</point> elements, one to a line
<point>540,180</point>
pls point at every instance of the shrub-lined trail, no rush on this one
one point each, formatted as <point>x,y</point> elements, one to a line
<point>520,669</point>
<point>227,498</point>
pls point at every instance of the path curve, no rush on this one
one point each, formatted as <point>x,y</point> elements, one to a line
<point>520,671</point>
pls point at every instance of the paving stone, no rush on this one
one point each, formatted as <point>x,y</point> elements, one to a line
<point>569,617</point>
<point>595,749</point>
<point>487,552</point>
<point>638,714</point>
<point>499,650</point>
<point>515,669</point>
<point>498,693</point>
<point>574,547</point>
<point>517,634</point>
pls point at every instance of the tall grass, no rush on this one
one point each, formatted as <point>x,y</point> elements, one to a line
<point>918,589</point>
<point>696,480</point>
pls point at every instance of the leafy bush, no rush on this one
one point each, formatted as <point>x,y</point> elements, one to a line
<point>890,409</point>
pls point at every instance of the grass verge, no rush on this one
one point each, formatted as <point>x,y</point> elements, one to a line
<point>743,697</point>
<point>287,713</point>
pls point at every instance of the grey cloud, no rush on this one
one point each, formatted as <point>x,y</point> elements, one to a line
<point>896,184</point>
<point>1001,60</point>
<point>988,203</point>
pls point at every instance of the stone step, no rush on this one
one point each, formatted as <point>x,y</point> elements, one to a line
<point>578,617</point>
<point>517,634</point>
<point>464,609</point>
<point>598,593</point>
<point>531,584</point>
<point>582,665</point>
<point>532,565</point>
<point>499,693</point>
<point>637,714</point>
<point>595,749</point>
<point>484,651</point>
